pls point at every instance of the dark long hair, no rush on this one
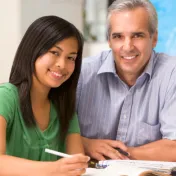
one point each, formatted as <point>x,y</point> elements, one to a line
<point>42,35</point>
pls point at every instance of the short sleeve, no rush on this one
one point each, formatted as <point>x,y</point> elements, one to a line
<point>74,125</point>
<point>168,113</point>
<point>7,102</point>
<point>78,91</point>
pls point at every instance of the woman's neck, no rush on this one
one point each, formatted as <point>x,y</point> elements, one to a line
<point>39,93</point>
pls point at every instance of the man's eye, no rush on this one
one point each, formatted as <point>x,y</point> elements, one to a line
<point>116,36</point>
<point>137,36</point>
<point>54,53</point>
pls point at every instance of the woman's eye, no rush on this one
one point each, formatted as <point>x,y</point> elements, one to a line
<point>54,53</point>
<point>72,58</point>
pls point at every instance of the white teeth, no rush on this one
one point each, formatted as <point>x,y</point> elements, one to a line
<point>129,57</point>
<point>56,74</point>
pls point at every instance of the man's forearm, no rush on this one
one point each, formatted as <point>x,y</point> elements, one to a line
<point>162,150</point>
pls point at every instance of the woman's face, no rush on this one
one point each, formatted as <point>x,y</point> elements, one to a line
<point>57,65</point>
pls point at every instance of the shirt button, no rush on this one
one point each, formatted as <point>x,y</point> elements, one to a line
<point>46,146</point>
<point>124,116</point>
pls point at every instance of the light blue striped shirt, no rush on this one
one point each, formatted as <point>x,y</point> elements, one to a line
<point>108,109</point>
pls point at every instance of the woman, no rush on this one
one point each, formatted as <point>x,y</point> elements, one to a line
<point>37,105</point>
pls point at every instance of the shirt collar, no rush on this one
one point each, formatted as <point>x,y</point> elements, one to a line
<point>108,65</point>
<point>149,68</point>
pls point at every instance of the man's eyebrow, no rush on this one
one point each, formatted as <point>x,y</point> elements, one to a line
<point>120,33</point>
<point>138,33</point>
<point>116,33</point>
<point>63,50</point>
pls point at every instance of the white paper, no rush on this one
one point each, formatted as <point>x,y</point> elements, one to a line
<point>119,169</point>
<point>150,165</point>
<point>129,167</point>
<point>93,172</point>
<point>116,169</point>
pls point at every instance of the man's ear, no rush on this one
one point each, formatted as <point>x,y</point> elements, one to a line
<point>155,39</point>
<point>109,43</point>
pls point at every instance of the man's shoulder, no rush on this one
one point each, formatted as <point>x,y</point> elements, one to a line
<point>164,61</point>
<point>165,58</point>
<point>164,66</point>
<point>95,62</point>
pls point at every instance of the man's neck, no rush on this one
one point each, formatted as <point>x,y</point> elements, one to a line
<point>129,79</point>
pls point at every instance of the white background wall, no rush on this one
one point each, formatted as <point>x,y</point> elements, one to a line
<point>93,48</point>
<point>9,35</point>
<point>17,15</point>
<point>70,10</point>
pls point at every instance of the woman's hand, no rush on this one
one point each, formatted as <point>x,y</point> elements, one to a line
<point>72,166</point>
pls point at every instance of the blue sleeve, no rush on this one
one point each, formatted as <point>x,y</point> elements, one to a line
<point>168,113</point>
<point>78,92</point>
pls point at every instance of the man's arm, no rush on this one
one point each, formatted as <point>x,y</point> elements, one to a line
<point>161,150</point>
<point>100,149</point>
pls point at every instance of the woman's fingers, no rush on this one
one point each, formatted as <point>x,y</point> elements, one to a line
<point>77,158</point>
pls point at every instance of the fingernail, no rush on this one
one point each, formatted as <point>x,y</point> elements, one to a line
<point>127,158</point>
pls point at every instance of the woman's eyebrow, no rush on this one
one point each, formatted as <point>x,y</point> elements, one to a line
<point>63,50</point>
<point>58,47</point>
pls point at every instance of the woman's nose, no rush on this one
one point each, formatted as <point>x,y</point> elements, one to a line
<point>61,63</point>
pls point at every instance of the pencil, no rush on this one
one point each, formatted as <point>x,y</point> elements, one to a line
<point>57,153</point>
<point>122,151</point>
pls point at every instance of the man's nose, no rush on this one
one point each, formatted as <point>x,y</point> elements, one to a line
<point>128,44</point>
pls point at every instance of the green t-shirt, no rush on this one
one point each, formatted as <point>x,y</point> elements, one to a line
<point>25,142</point>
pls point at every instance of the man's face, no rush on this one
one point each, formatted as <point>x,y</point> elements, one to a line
<point>131,41</point>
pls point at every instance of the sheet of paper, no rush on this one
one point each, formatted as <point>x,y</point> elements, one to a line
<point>116,169</point>
<point>129,167</point>
<point>93,172</point>
<point>150,165</point>
<point>120,169</point>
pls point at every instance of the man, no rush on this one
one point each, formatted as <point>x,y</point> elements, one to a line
<point>126,97</point>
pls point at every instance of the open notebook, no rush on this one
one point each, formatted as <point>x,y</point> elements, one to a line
<point>115,170</point>
<point>130,168</point>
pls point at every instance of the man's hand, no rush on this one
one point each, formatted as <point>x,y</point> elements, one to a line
<point>101,149</point>
<point>161,150</point>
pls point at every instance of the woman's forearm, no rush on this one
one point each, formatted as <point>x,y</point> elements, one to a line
<point>14,166</point>
<point>74,144</point>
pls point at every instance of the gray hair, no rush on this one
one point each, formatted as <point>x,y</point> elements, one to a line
<point>121,5</point>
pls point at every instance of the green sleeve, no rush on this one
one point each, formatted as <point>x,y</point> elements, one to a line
<point>7,102</point>
<point>74,125</point>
